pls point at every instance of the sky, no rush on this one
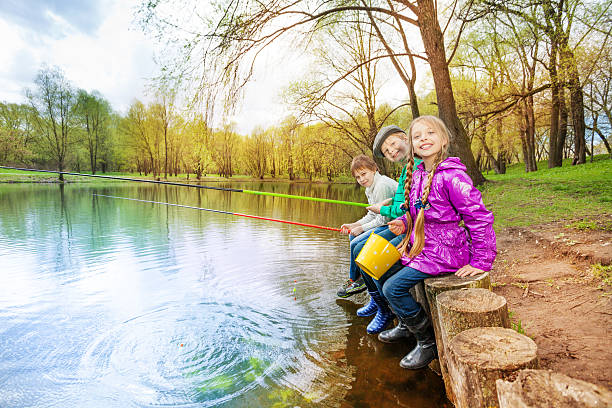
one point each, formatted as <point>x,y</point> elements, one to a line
<point>93,42</point>
<point>98,46</point>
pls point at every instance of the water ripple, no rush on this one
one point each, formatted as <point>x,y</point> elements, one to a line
<point>218,350</point>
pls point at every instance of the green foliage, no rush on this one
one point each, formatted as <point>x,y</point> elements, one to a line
<point>603,273</point>
<point>516,324</point>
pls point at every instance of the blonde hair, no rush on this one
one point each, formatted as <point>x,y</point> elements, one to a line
<point>363,162</point>
<point>419,225</point>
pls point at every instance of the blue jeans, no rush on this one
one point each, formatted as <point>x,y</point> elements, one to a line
<point>358,245</point>
<point>395,286</point>
<point>354,271</point>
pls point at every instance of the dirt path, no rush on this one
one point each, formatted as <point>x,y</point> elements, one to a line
<point>546,275</point>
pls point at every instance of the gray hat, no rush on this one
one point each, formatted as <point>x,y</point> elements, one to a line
<point>381,136</point>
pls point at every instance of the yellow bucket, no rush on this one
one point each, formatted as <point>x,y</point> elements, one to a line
<point>377,256</point>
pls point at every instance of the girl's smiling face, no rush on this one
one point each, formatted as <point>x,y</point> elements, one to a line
<point>395,148</point>
<point>426,141</point>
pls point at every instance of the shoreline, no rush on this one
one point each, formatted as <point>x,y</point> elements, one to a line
<point>70,179</point>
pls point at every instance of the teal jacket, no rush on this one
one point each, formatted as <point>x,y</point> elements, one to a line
<point>393,210</point>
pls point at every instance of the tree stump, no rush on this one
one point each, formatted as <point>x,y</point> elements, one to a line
<point>463,309</point>
<point>543,388</point>
<point>437,285</point>
<point>480,356</point>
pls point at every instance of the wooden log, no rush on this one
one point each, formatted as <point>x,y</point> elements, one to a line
<point>440,284</point>
<point>543,388</point>
<point>418,293</point>
<point>480,356</point>
<point>463,309</point>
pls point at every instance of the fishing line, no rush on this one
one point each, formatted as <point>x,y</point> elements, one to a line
<point>171,183</point>
<point>222,212</point>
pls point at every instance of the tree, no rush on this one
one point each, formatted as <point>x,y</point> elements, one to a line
<point>343,94</point>
<point>144,138</point>
<point>225,146</point>
<point>256,146</point>
<point>16,133</point>
<point>54,102</point>
<point>556,19</point>
<point>94,113</point>
<point>163,115</point>
<point>599,93</point>
<point>242,29</point>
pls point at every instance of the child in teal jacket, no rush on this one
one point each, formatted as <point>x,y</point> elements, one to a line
<point>391,143</point>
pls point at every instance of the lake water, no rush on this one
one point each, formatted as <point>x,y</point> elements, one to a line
<point>113,303</point>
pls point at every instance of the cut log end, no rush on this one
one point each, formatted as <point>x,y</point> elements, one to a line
<point>494,348</point>
<point>452,281</point>
<point>471,300</point>
<point>542,388</point>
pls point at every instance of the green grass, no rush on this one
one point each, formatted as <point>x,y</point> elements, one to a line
<point>516,324</point>
<point>603,273</point>
<point>579,195</point>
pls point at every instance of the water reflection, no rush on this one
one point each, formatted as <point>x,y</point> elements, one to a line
<point>114,303</point>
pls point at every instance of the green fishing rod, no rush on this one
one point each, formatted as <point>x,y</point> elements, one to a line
<point>171,183</point>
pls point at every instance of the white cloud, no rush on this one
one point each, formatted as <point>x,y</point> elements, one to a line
<point>114,58</point>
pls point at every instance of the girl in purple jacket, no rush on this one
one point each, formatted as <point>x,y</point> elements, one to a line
<point>441,195</point>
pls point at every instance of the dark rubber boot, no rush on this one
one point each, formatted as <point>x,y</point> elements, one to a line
<point>368,310</point>
<point>383,317</point>
<point>425,350</point>
<point>399,332</point>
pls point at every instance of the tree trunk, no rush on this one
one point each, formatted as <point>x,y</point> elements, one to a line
<point>530,133</point>
<point>576,100</point>
<point>523,136</point>
<point>562,127</point>
<point>480,356</point>
<point>542,388</point>
<point>60,168</point>
<point>482,136</point>
<point>433,40</point>
<point>501,153</point>
<point>554,158</point>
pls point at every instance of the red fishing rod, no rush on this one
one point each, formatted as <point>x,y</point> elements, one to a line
<point>223,212</point>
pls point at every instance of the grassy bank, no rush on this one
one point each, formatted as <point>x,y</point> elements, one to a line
<point>580,196</point>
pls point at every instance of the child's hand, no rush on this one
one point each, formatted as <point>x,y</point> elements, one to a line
<point>357,230</point>
<point>468,270</point>
<point>345,229</point>
<point>397,227</point>
<point>375,208</point>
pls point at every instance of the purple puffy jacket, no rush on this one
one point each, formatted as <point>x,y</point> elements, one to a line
<point>453,198</point>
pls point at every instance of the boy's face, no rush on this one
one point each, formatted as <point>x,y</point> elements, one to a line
<point>395,148</point>
<point>364,176</point>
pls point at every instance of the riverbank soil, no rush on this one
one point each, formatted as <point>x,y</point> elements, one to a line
<point>559,290</point>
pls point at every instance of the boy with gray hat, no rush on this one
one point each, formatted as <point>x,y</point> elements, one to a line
<point>391,143</point>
